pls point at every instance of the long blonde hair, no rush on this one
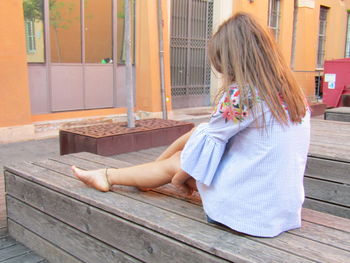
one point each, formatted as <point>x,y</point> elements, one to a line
<point>245,53</point>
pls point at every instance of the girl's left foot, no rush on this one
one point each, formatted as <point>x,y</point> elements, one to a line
<point>96,178</point>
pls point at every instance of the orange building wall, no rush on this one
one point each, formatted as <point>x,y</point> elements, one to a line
<point>306,35</point>
<point>307,39</point>
<point>259,9</point>
<point>15,102</point>
<point>148,96</point>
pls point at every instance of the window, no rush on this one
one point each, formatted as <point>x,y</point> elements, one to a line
<point>30,36</point>
<point>98,31</point>
<point>65,31</point>
<point>322,36</point>
<point>34,30</point>
<point>274,17</point>
<point>66,21</point>
<point>347,44</point>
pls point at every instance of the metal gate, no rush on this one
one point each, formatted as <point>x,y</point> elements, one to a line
<point>191,27</point>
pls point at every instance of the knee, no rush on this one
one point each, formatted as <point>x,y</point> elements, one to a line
<point>174,162</point>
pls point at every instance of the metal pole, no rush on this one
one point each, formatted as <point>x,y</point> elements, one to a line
<point>128,69</point>
<point>48,53</point>
<point>161,60</point>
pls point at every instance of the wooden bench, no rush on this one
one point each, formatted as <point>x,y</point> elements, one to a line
<point>62,220</point>
<point>338,114</point>
<point>327,175</point>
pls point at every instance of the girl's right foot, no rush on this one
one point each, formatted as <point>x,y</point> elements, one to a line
<point>96,178</point>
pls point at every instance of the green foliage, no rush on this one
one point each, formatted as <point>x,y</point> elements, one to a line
<point>60,12</point>
<point>57,8</point>
<point>33,9</point>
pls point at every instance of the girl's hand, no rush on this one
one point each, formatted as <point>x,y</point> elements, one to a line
<point>184,182</point>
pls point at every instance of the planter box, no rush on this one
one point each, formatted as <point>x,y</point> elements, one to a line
<point>116,138</point>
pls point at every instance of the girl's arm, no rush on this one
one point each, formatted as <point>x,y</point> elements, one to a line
<point>184,182</point>
<point>176,146</point>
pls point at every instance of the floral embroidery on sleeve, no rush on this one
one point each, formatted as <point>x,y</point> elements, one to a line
<point>234,113</point>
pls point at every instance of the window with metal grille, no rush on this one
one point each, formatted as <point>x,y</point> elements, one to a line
<point>274,17</point>
<point>347,44</point>
<point>30,36</point>
<point>322,36</point>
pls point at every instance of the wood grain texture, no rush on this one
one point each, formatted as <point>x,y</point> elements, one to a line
<point>124,235</point>
<point>327,191</point>
<point>67,238</point>
<point>41,246</point>
<point>329,208</point>
<point>202,236</point>
<point>336,238</point>
<point>327,220</point>
<point>331,170</point>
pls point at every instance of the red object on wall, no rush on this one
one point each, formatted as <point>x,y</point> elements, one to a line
<point>336,79</point>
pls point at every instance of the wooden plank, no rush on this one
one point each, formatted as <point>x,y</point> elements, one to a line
<point>328,169</point>
<point>41,246</point>
<point>338,135</point>
<point>327,220</point>
<point>107,161</point>
<point>155,198</point>
<point>336,239</point>
<point>324,207</point>
<point>126,158</point>
<point>161,201</point>
<point>344,110</point>
<point>13,251</point>
<point>141,157</point>
<point>203,236</point>
<point>314,251</point>
<point>67,238</point>
<point>329,124</point>
<point>337,116</point>
<point>69,160</point>
<point>155,152</point>
<point>330,192</point>
<point>31,257</point>
<point>105,227</point>
<point>327,191</point>
<point>325,235</point>
<point>324,151</point>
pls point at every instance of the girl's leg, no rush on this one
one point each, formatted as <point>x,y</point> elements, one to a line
<point>149,175</point>
<point>176,146</point>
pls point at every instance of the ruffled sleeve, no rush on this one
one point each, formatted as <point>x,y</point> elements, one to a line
<point>203,151</point>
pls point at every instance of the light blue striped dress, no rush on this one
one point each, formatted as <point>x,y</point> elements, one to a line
<point>249,179</point>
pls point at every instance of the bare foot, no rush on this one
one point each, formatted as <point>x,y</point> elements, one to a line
<point>96,178</point>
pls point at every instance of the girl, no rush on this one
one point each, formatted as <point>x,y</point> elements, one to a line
<point>248,161</point>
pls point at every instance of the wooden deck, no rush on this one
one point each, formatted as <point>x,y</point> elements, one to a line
<point>327,182</point>
<point>327,175</point>
<point>64,221</point>
<point>330,140</point>
<point>338,114</point>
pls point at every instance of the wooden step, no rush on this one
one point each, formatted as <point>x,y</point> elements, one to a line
<point>125,225</point>
<point>338,114</point>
